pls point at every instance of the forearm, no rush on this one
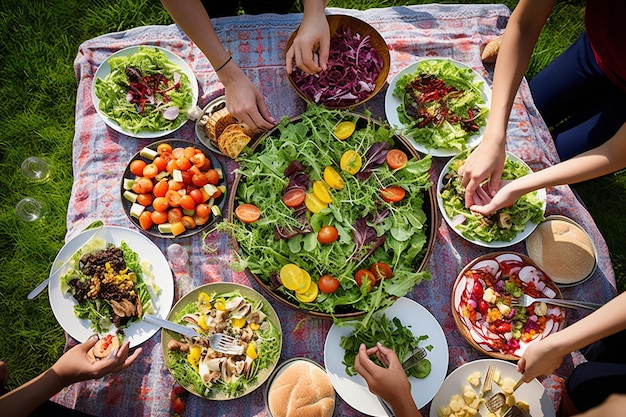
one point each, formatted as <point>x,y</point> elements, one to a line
<point>314,8</point>
<point>405,407</point>
<point>23,400</point>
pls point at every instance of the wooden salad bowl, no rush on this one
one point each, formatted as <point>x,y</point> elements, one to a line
<point>337,22</point>
<point>429,208</point>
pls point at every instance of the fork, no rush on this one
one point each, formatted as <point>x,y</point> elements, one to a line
<point>525,300</point>
<point>496,401</point>
<point>219,342</point>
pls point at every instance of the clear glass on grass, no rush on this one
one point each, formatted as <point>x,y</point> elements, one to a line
<point>36,169</point>
<point>29,209</point>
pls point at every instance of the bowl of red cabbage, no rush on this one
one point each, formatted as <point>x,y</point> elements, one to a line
<point>358,66</point>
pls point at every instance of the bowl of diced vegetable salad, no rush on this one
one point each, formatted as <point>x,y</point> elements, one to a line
<point>330,219</point>
<point>358,66</point>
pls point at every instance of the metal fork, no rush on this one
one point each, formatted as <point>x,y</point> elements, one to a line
<point>219,342</point>
<point>525,300</point>
<point>497,401</point>
<point>514,411</point>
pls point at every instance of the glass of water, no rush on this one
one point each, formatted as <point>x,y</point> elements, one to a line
<point>36,168</point>
<point>29,209</point>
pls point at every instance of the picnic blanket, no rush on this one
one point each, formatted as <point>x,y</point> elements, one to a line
<point>257,44</point>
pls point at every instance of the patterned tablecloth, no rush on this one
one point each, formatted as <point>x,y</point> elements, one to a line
<point>257,44</point>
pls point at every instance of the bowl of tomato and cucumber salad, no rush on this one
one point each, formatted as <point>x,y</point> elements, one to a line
<point>173,188</point>
<point>332,214</point>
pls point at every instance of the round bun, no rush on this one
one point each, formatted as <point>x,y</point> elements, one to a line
<point>301,389</point>
<point>562,250</point>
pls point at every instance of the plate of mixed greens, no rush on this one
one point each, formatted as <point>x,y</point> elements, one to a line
<point>404,326</point>
<point>232,309</point>
<point>110,282</point>
<point>440,105</point>
<point>144,91</point>
<point>333,214</point>
<point>508,226</point>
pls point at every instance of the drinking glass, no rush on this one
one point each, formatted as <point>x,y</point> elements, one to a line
<point>36,169</point>
<point>29,209</point>
<point>177,255</point>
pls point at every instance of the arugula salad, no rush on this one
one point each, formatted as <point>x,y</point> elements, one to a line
<point>211,374</point>
<point>506,223</point>
<point>111,285</point>
<point>356,237</point>
<point>441,104</point>
<point>144,92</point>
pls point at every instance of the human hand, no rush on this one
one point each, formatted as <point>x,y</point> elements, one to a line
<point>390,383</point>
<point>245,101</point>
<point>310,47</point>
<point>75,365</point>
<point>486,204</point>
<point>613,406</point>
<point>540,358</point>
<point>485,162</point>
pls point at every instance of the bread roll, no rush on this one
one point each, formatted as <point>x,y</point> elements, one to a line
<point>562,250</point>
<point>301,389</point>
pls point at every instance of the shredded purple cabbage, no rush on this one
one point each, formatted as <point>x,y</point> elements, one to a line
<point>353,66</point>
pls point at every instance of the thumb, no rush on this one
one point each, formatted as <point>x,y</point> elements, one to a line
<point>89,343</point>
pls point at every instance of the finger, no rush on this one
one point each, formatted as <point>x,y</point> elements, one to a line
<point>360,360</point>
<point>89,343</point>
<point>323,54</point>
<point>265,113</point>
<point>481,197</point>
<point>289,60</point>
<point>470,189</point>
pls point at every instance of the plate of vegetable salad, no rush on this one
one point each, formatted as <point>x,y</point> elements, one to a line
<point>440,105</point>
<point>333,214</point>
<point>110,282</point>
<point>232,309</point>
<point>144,91</point>
<point>173,188</point>
<point>406,325</point>
<point>508,226</point>
<point>483,299</point>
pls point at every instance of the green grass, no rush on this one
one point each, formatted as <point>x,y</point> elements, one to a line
<point>40,40</point>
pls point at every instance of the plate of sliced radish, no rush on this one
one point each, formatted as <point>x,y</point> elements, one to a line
<point>484,306</point>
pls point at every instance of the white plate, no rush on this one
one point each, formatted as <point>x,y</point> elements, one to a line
<point>392,103</point>
<point>530,226</point>
<point>200,133</point>
<point>533,392</point>
<point>105,69</point>
<point>354,390</point>
<point>63,303</point>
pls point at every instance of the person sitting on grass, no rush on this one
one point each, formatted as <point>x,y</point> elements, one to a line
<point>32,398</point>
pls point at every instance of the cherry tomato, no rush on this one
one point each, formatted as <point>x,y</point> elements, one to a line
<point>160,204</point>
<point>174,215</point>
<point>178,405</point>
<point>197,196</point>
<point>174,185</point>
<point>160,188</point>
<point>200,220</point>
<point>364,274</point>
<point>392,194</point>
<point>173,198</point>
<point>178,152</point>
<point>187,203</point>
<point>351,162</point>
<point>248,213</point>
<point>199,180</point>
<point>150,170</point>
<point>503,328</point>
<point>381,270</point>
<point>164,148</point>
<point>188,222</point>
<point>327,234</point>
<point>171,166</point>
<point>144,199</point>
<point>142,185</point>
<point>313,203</point>
<point>332,178</point>
<point>198,160</point>
<point>483,306</point>
<point>159,217</point>
<point>145,220</point>
<point>189,152</point>
<point>294,197</point>
<point>203,210</point>
<point>187,177</point>
<point>478,290</point>
<point>396,159</point>
<point>160,163</point>
<point>183,163</point>
<point>328,284</point>
<point>213,176</point>
<point>137,166</point>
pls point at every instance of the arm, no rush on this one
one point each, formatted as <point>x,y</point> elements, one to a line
<point>518,41</point>
<point>311,45</point>
<point>543,357</point>
<point>613,406</point>
<point>243,99</point>
<point>73,366</point>
<point>391,383</point>
<point>605,159</point>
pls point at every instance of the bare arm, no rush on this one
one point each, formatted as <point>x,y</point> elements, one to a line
<point>73,366</point>
<point>520,36</point>
<point>543,357</point>
<point>243,99</point>
<point>311,45</point>
<point>605,159</point>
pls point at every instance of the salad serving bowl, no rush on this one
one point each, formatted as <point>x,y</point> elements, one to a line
<point>372,70</point>
<point>369,230</point>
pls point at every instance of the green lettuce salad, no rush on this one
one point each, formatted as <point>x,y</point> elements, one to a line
<point>441,105</point>
<point>506,223</point>
<point>369,229</point>
<point>144,92</point>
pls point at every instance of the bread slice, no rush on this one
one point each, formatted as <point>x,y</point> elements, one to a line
<point>218,121</point>
<point>233,139</point>
<point>301,389</point>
